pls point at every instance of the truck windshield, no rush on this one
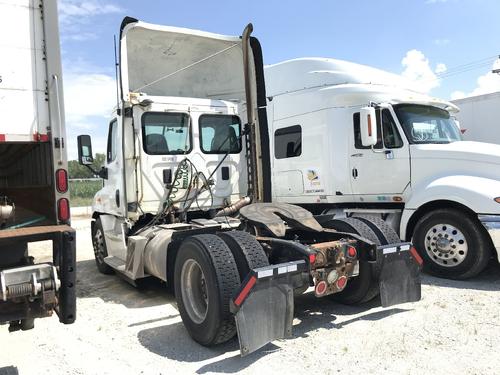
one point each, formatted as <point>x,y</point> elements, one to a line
<point>426,124</point>
<point>165,133</point>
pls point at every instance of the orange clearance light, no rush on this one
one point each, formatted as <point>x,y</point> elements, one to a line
<point>497,199</point>
<point>397,199</point>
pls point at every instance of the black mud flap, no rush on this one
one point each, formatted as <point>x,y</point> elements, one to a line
<point>399,274</point>
<point>263,306</point>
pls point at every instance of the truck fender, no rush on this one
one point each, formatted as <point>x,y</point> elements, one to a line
<point>475,193</point>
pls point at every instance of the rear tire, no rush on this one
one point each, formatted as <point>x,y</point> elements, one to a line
<point>384,231</point>
<point>246,250</point>
<point>100,249</point>
<point>362,288</point>
<point>205,278</point>
<point>452,244</point>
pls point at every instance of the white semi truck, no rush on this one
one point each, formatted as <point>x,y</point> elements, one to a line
<point>34,197</point>
<point>187,186</point>
<point>351,141</point>
<point>479,117</point>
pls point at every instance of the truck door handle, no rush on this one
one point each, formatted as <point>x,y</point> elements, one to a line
<point>358,155</point>
<point>354,173</point>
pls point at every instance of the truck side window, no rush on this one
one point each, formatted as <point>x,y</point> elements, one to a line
<point>166,133</point>
<point>392,139</point>
<point>219,134</point>
<point>288,142</point>
<point>357,132</point>
<point>112,141</point>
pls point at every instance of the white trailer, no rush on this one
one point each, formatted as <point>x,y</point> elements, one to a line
<point>350,140</point>
<point>479,117</point>
<point>34,197</point>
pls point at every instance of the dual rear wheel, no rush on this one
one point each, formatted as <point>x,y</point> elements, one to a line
<point>208,270</point>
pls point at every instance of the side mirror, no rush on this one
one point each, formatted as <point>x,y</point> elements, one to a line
<point>85,150</point>
<point>368,126</point>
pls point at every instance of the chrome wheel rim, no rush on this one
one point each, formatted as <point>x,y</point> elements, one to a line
<point>99,249</point>
<point>194,291</point>
<point>446,245</point>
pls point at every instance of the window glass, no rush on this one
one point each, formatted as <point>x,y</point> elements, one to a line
<point>357,132</point>
<point>112,141</point>
<point>288,142</point>
<point>166,133</point>
<point>426,124</point>
<point>219,134</point>
<point>392,138</point>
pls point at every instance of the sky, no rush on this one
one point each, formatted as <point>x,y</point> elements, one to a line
<point>446,47</point>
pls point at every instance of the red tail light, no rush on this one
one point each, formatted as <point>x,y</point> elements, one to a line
<point>312,258</point>
<point>341,282</point>
<point>63,209</point>
<point>62,180</point>
<point>351,252</point>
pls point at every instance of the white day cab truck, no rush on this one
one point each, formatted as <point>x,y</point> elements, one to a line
<point>351,141</point>
<point>34,198</point>
<point>479,117</point>
<point>187,186</point>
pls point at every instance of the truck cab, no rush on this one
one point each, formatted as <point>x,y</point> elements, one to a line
<point>186,196</point>
<point>413,170</point>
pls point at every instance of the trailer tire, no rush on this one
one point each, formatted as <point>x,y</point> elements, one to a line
<point>467,244</point>
<point>246,250</point>
<point>364,287</point>
<point>205,278</point>
<point>100,249</point>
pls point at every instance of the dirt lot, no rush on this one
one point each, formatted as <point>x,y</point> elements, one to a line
<point>119,330</point>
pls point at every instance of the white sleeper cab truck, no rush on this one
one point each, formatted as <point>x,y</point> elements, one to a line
<point>479,117</point>
<point>187,189</point>
<point>351,141</point>
<point>34,197</point>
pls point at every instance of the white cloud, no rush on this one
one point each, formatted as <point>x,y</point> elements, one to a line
<point>418,71</point>
<point>486,84</point>
<point>88,95</point>
<point>77,10</point>
<point>89,98</point>
<point>440,68</point>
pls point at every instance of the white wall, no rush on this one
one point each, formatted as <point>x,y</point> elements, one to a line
<point>480,115</point>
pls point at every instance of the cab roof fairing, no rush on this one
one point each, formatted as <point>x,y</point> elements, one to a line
<point>169,61</point>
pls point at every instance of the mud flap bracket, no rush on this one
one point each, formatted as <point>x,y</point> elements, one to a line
<point>263,306</point>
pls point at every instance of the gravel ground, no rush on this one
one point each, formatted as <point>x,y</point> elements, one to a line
<point>454,329</point>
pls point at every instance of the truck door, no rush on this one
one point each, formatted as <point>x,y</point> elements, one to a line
<point>113,185</point>
<point>380,173</point>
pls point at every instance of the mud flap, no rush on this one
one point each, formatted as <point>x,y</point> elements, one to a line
<point>263,306</point>
<point>399,274</point>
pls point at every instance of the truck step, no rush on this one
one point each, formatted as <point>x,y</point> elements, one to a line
<point>119,266</point>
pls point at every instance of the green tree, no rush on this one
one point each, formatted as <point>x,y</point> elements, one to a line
<point>76,170</point>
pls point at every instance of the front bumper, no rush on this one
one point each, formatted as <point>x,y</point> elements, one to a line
<point>492,225</point>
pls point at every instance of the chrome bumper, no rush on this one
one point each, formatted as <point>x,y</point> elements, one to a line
<point>492,225</point>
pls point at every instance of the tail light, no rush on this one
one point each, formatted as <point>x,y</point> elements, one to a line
<point>341,282</point>
<point>62,180</point>
<point>351,252</point>
<point>63,209</point>
<point>320,288</point>
<point>312,258</point>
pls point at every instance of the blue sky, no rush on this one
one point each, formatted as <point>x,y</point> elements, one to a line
<point>421,39</point>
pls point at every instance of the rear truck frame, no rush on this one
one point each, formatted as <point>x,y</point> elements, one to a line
<point>28,290</point>
<point>34,191</point>
<point>197,214</point>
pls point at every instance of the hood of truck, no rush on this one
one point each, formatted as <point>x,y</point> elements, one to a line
<point>170,61</point>
<point>459,158</point>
